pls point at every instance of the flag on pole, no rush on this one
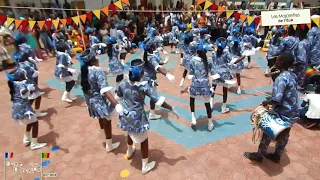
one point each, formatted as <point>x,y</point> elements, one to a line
<point>9,155</point>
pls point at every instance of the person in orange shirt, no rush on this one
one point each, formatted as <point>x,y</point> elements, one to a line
<point>202,21</point>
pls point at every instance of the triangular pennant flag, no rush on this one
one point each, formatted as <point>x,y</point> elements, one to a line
<point>220,10</point>
<point>24,24</point>
<point>257,20</point>
<point>126,2</point>
<point>229,13</point>
<point>294,26</point>
<point>214,7</point>
<point>236,16</point>
<point>243,18</point>
<point>83,18</point>
<point>9,21</point>
<point>105,10</point>
<point>200,2</point>
<point>76,20</point>
<point>250,19</point>
<point>48,24</point>
<point>316,21</point>
<point>41,24</point>
<point>113,8</point>
<point>118,4</point>
<point>309,25</point>
<point>207,5</point>
<point>97,13</point>
<point>2,19</point>
<point>278,27</point>
<point>69,21</point>
<point>89,16</point>
<point>285,27</point>
<point>17,23</point>
<point>63,22</point>
<point>31,24</point>
<point>302,26</point>
<point>56,23</point>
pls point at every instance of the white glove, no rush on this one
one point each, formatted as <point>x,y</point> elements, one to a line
<point>228,31</point>
<point>32,60</point>
<point>190,76</point>
<point>72,70</point>
<point>233,61</point>
<point>119,109</point>
<point>31,87</point>
<point>258,49</point>
<point>98,52</point>
<point>259,39</point>
<point>165,52</point>
<point>166,60</point>
<point>215,76</point>
<point>211,90</point>
<point>174,111</point>
<point>170,77</point>
<point>35,74</point>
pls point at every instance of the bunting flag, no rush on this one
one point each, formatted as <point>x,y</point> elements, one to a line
<point>257,20</point>
<point>126,2</point>
<point>220,10</point>
<point>83,18</point>
<point>113,8</point>
<point>89,16</point>
<point>119,4</point>
<point>63,22</point>
<point>316,21</point>
<point>228,14</point>
<point>9,21</point>
<point>214,7</point>
<point>48,24</point>
<point>105,10</point>
<point>200,2</point>
<point>97,13</point>
<point>41,24</point>
<point>243,18</point>
<point>294,26</point>
<point>56,23</point>
<point>31,24</point>
<point>3,18</point>
<point>207,5</point>
<point>76,20</point>
<point>24,24</point>
<point>236,16</point>
<point>285,27</point>
<point>302,26</point>
<point>250,20</point>
<point>17,23</point>
<point>309,25</point>
<point>69,21</point>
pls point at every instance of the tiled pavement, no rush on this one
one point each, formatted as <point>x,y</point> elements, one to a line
<point>180,152</point>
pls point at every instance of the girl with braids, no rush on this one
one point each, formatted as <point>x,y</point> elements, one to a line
<point>99,99</point>
<point>152,67</point>
<point>134,120</point>
<point>115,66</point>
<point>64,70</point>
<point>22,111</point>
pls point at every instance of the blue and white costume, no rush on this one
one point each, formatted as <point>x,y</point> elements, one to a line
<point>64,70</point>
<point>115,66</point>
<point>314,41</point>
<point>174,34</point>
<point>289,45</point>
<point>220,65</point>
<point>190,52</point>
<point>300,65</point>
<point>236,52</point>
<point>123,41</point>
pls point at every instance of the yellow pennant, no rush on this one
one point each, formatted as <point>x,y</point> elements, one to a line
<point>31,24</point>
<point>294,26</point>
<point>105,10</point>
<point>316,21</point>
<point>97,13</point>
<point>118,4</point>
<point>207,5</point>
<point>9,21</point>
<point>250,20</point>
<point>56,23</point>
<point>76,20</point>
<point>229,13</point>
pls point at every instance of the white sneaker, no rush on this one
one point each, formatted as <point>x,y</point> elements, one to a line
<point>153,115</point>
<point>40,114</point>
<point>210,125</point>
<point>146,167</point>
<point>181,60</point>
<point>42,93</point>
<point>267,71</point>
<point>26,138</point>
<point>224,109</point>
<point>39,60</point>
<point>71,97</point>
<point>110,147</point>
<point>239,90</point>
<point>35,145</point>
<point>248,66</point>
<point>65,97</point>
<point>130,151</point>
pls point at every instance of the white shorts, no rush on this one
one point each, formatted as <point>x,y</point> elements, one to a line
<point>206,99</point>
<point>26,121</point>
<point>138,138</point>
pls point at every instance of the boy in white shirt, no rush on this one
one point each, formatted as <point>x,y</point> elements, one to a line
<point>313,113</point>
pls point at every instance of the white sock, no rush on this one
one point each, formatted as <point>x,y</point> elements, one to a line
<point>122,61</point>
<point>152,111</point>
<point>224,105</point>
<point>145,162</point>
<point>182,81</point>
<point>129,150</point>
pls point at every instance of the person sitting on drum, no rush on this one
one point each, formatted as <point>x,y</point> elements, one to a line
<point>284,102</point>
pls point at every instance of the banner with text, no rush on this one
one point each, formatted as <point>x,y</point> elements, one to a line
<point>285,17</point>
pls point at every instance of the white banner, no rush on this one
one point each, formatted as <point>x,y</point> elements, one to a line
<point>285,17</point>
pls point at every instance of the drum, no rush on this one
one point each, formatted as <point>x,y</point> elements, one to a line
<point>269,122</point>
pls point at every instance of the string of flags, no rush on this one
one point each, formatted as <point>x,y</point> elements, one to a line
<point>76,19</point>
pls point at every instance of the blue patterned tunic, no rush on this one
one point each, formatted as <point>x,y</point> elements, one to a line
<point>150,70</point>
<point>302,59</point>
<point>190,51</point>
<point>236,52</point>
<point>314,41</point>
<point>286,95</point>
<point>289,45</point>
<point>133,95</point>
<point>273,46</point>
<point>25,48</point>
<point>98,106</point>
<point>115,66</point>
<point>123,42</point>
<point>31,76</point>
<point>93,40</point>
<point>220,65</point>
<point>174,34</point>
<point>63,62</point>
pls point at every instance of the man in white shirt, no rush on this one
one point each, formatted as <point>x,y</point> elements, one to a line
<point>313,113</point>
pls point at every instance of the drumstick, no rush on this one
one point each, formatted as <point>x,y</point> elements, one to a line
<point>262,93</point>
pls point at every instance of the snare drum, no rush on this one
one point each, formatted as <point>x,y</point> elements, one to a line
<point>269,122</point>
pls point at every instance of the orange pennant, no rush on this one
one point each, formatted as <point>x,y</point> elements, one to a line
<point>83,18</point>
<point>220,10</point>
<point>41,24</point>
<point>309,25</point>
<point>105,10</point>
<point>285,27</point>
<point>118,4</point>
<point>200,2</point>
<point>243,18</point>
<point>17,23</point>
<point>63,22</point>
<point>126,2</point>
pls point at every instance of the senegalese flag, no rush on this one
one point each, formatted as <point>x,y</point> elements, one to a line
<point>9,154</point>
<point>45,155</point>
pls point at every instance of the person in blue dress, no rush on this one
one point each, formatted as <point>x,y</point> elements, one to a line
<point>124,43</point>
<point>250,41</point>
<point>100,101</point>
<point>152,67</point>
<point>158,40</point>
<point>181,47</point>
<point>274,43</point>
<point>22,111</point>
<point>132,92</point>
<point>314,42</point>
<point>220,64</point>
<point>284,102</point>
<point>64,70</point>
<point>21,45</point>
<point>115,66</point>
<point>173,36</point>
